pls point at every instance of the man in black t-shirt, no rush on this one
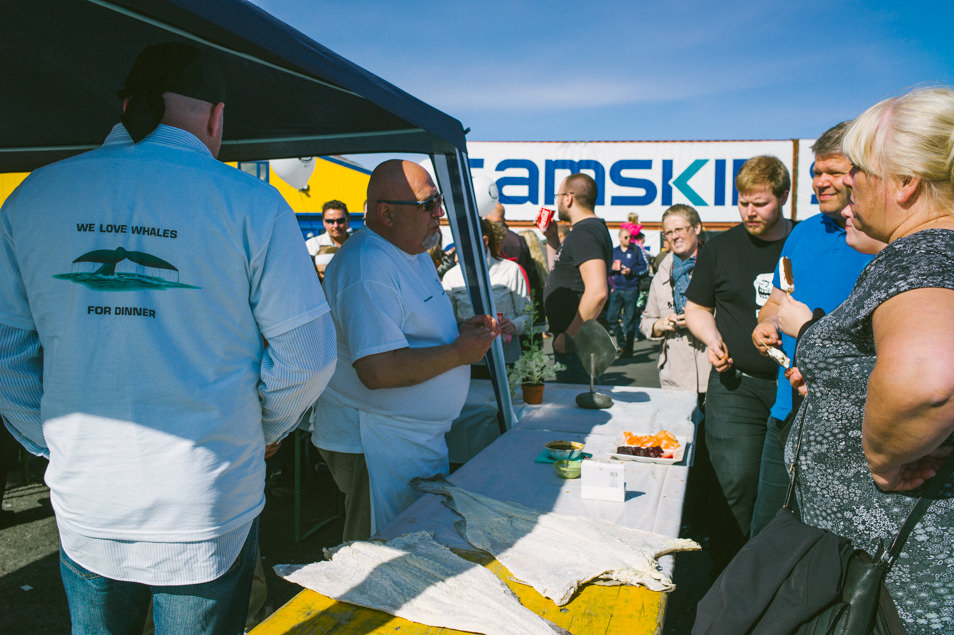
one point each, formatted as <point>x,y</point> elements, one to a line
<point>731,281</point>
<point>577,287</point>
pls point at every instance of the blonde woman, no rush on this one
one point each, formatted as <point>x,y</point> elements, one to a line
<point>683,364</point>
<point>879,414</point>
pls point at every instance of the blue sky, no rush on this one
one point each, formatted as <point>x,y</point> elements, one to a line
<point>638,70</point>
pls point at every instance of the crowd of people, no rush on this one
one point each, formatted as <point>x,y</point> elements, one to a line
<point>866,407</point>
<point>157,410</point>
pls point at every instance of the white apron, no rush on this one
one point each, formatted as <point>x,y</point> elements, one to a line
<point>397,450</point>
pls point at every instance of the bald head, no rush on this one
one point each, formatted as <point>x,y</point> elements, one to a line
<point>497,214</point>
<point>203,119</point>
<point>392,214</point>
<point>391,181</point>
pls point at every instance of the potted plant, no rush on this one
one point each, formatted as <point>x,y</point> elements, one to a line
<point>533,364</point>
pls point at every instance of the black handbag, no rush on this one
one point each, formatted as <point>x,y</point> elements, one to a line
<point>794,578</point>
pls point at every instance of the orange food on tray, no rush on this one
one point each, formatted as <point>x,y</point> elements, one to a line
<point>663,439</point>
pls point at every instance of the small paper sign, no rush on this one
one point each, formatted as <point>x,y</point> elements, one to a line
<point>603,481</point>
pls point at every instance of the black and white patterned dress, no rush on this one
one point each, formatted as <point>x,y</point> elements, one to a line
<point>835,490</point>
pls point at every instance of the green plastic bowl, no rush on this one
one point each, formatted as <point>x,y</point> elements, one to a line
<point>568,468</point>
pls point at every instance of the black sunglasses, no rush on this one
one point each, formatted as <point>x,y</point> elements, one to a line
<point>428,204</point>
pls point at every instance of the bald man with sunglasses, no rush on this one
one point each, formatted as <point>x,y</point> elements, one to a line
<point>403,360</point>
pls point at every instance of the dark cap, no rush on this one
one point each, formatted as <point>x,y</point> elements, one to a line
<point>170,67</point>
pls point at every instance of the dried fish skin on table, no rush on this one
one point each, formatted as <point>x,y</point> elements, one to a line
<point>555,553</point>
<point>415,578</point>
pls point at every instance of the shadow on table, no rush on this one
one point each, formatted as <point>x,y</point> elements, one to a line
<point>630,397</point>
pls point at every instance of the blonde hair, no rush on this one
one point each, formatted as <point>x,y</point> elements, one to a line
<point>763,170</point>
<point>495,235</point>
<point>910,135</point>
<point>536,252</point>
<point>686,212</point>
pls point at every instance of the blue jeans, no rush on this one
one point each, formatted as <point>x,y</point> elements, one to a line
<point>625,299</point>
<point>102,605</point>
<point>773,478</point>
<point>737,407</point>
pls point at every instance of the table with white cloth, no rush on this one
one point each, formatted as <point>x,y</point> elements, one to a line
<point>507,470</point>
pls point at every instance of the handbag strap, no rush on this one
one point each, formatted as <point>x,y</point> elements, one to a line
<point>928,495</point>
<point>793,468</point>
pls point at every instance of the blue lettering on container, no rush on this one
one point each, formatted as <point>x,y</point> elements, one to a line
<point>572,167</point>
<point>524,186</point>
<point>682,182</point>
<point>647,186</point>
<point>666,187</point>
<point>811,170</point>
<point>719,198</point>
<point>531,181</point>
<point>736,166</point>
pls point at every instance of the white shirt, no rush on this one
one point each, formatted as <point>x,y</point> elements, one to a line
<point>158,396</point>
<point>509,288</point>
<point>321,240</point>
<point>384,299</point>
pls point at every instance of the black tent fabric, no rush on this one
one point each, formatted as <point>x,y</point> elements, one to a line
<point>64,60</point>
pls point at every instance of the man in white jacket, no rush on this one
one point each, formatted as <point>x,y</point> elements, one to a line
<point>133,354</point>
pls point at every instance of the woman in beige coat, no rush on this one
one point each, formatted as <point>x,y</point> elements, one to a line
<point>683,364</point>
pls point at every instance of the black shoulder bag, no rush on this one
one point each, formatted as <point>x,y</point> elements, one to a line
<point>794,578</point>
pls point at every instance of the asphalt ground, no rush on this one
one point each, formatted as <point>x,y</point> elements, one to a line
<point>32,600</point>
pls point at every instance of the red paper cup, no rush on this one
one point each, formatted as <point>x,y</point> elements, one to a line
<point>507,336</point>
<point>543,218</point>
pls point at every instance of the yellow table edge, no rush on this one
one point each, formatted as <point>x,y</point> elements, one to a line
<point>595,609</point>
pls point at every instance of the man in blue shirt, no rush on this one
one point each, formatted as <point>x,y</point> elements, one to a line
<point>824,270</point>
<point>134,354</point>
<point>629,266</point>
